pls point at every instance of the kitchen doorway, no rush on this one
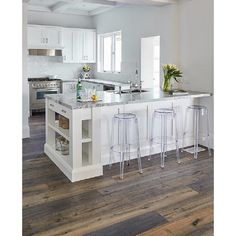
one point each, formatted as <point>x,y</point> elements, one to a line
<point>150,62</point>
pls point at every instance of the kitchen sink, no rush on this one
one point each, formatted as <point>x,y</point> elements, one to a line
<point>132,91</point>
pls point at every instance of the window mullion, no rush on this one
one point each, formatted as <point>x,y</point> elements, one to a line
<point>114,52</point>
<point>112,47</point>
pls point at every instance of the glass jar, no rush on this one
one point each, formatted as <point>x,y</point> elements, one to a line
<point>62,145</point>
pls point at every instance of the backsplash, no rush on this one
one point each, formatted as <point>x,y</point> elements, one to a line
<point>40,66</point>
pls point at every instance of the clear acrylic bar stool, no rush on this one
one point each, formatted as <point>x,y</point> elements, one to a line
<point>198,115</point>
<point>125,139</point>
<point>163,122</point>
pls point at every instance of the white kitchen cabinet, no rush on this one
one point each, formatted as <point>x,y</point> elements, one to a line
<point>91,85</point>
<point>44,37</point>
<point>35,37</point>
<point>69,87</point>
<point>70,51</point>
<point>87,46</point>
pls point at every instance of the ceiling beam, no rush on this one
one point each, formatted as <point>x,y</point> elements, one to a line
<point>101,2</point>
<point>99,10</point>
<point>60,6</point>
<point>38,8</point>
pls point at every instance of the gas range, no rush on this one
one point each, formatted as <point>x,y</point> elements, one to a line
<point>39,87</point>
<point>44,83</point>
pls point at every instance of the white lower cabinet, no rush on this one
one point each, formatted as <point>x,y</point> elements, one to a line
<point>90,129</point>
<point>89,85</point>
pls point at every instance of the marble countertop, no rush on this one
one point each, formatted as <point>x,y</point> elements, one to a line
<point>110,98</point>
<point>99,81</point>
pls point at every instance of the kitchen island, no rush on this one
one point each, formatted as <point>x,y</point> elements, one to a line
<point>88,136</point>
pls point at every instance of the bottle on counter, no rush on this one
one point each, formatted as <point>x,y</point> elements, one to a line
<point>136,75</point>
<point>79,89</point>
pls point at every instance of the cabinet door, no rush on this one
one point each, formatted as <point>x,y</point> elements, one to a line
<point>67,52</point>
<point>89,46</point>
<point>99,87</point>
<point>71,42</point>
<point>53,37</point>
<point>87,85</point>
<point>34,37</point>
<point>81,47</point>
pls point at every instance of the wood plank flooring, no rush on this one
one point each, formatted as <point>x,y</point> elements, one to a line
<point>177,200</point>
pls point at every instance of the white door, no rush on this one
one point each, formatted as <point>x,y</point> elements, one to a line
<point>150,61</point>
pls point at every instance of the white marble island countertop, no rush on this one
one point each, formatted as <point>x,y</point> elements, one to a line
<point>111,98</point>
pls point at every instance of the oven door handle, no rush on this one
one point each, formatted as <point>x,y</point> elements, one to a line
<point>45,90</point>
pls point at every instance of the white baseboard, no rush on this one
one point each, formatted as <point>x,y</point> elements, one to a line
<point>26,132</point>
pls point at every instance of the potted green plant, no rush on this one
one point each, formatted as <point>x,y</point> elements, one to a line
<point>170,71</point>
<point>86,68</point>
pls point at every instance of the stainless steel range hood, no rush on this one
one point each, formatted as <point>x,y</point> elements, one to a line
<point>45,52</point>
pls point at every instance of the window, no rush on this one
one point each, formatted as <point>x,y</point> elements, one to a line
<point>109,52</point>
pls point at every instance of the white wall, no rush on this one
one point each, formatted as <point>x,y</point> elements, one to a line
<point>40,66</point>
<point>137,22</point>
<point>196,49</point>
<point>25,89</point>
<point>196,43</point>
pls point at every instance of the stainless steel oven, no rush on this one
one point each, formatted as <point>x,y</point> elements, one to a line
<point>39,87</point>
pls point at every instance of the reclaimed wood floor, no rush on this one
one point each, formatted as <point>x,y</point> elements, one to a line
<point>175,201</point>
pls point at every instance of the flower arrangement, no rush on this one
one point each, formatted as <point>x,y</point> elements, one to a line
<point>86,68</point>
<point>170,71</point>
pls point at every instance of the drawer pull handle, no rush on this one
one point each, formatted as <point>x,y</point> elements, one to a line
<point>63,111</point>
<point>51,105</point>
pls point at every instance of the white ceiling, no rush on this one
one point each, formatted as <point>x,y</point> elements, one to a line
<point>87,7</point>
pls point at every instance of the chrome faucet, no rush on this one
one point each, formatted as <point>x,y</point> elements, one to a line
<point>135,86</point>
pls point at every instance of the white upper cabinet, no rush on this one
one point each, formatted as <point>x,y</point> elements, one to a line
<point>78,45</point>
<point>43,37</point>
<point>70,51</point>
<point>87,47</point>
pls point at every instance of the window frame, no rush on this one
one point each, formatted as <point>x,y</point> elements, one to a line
<point>100,67</point>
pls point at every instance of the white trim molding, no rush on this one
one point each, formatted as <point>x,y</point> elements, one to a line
<point>25,132</point>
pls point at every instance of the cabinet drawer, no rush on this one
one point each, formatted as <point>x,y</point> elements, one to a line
<point>59,109</point>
